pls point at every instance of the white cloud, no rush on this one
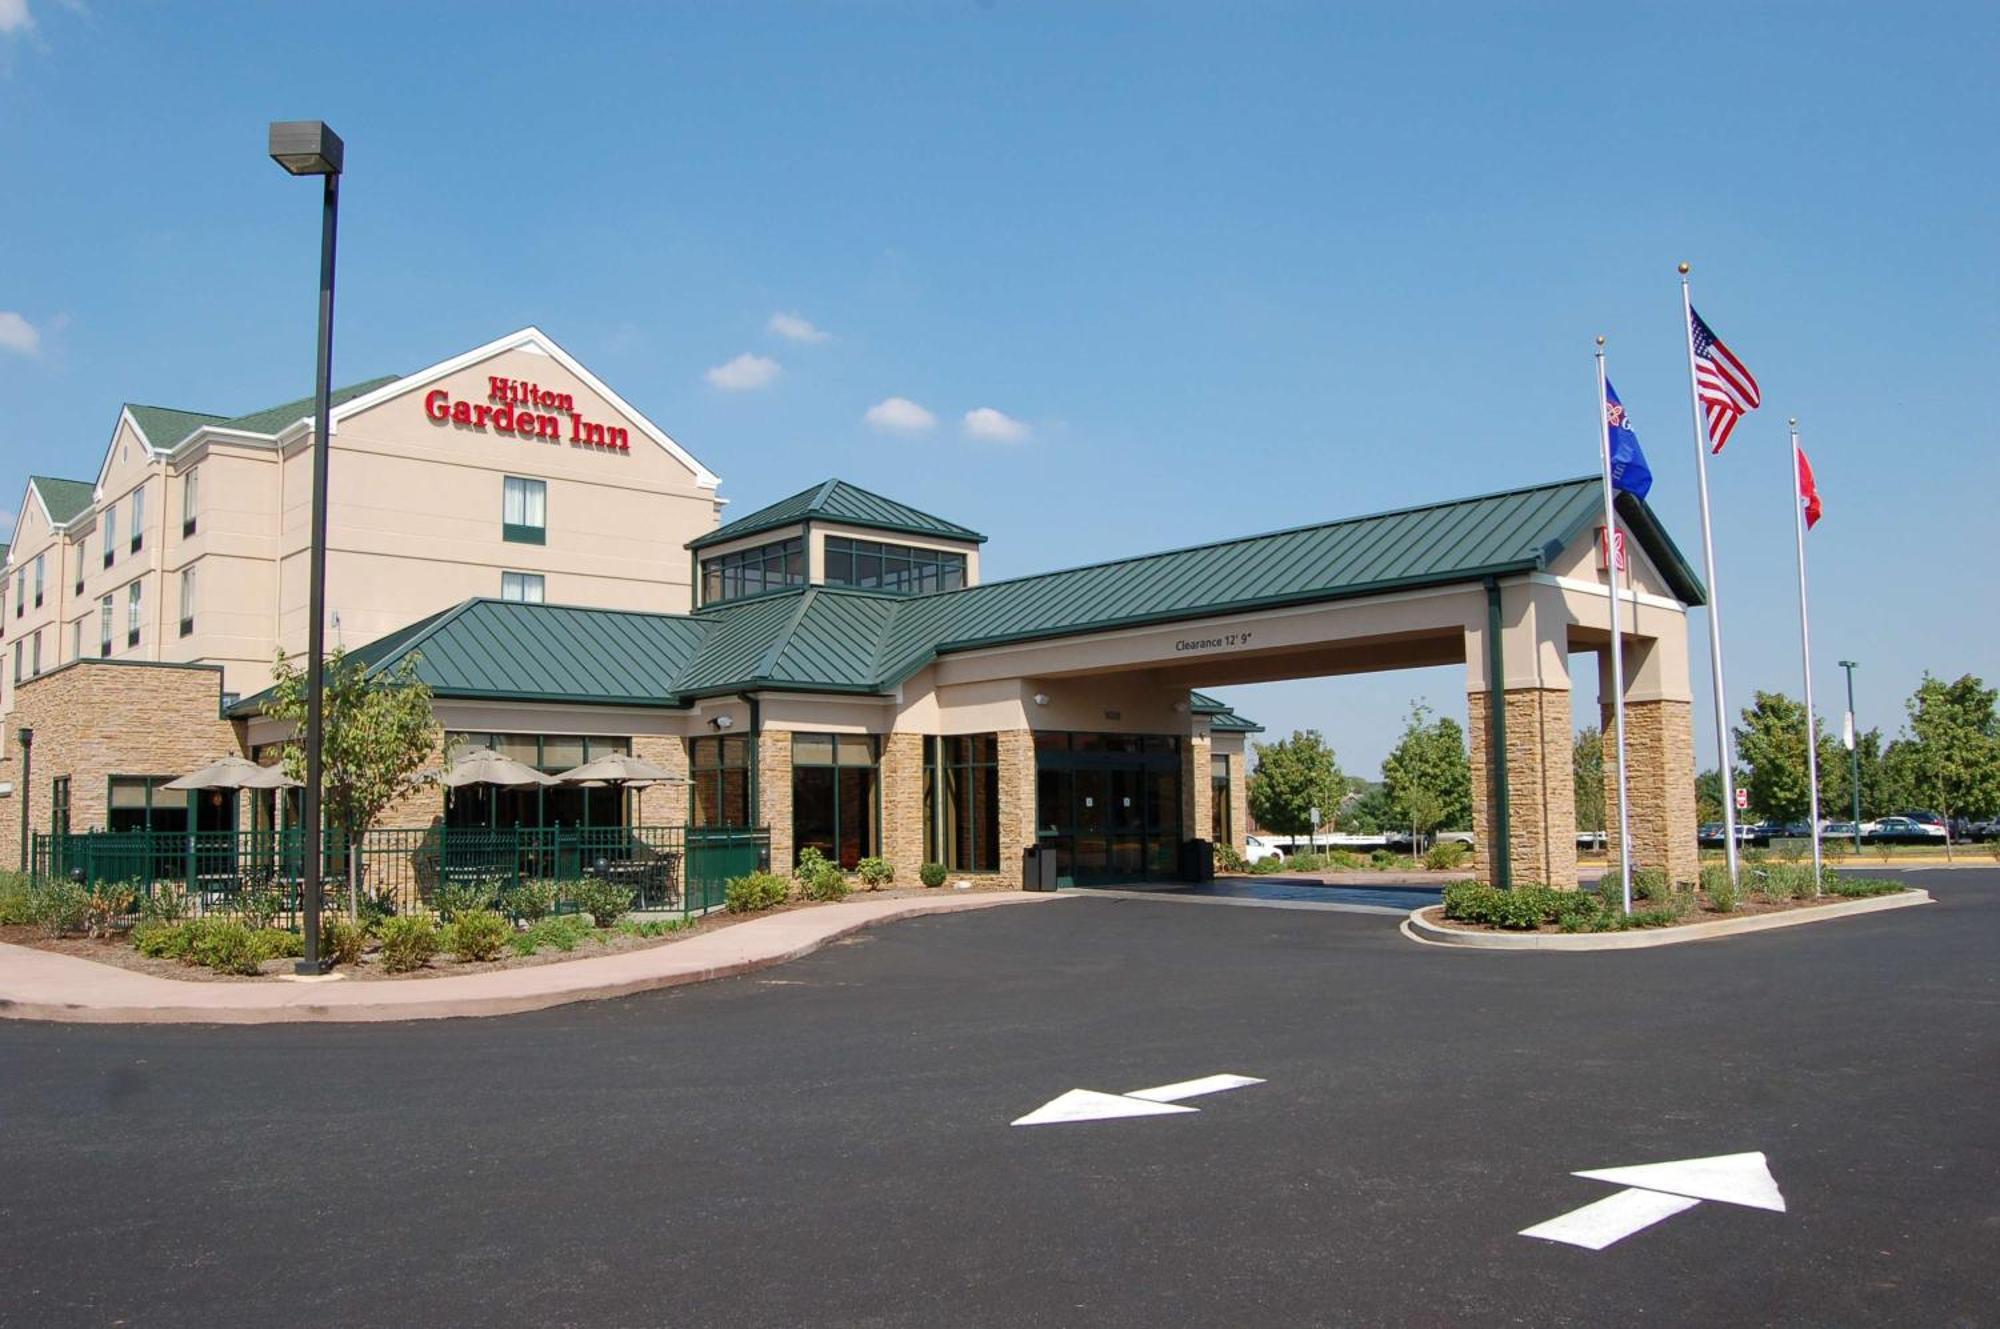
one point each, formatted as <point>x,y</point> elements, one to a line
<point>993,426</point>
<point>16,333</point>
<point>14,17</point>
<point>796,327</point>
<point>899,415</point>
<point>746,373</point>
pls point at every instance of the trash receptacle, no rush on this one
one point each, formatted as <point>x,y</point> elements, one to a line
<point>1038,869</point>
<point>1197,860</point>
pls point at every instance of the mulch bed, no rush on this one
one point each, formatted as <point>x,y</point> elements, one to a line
<point>118,951</point>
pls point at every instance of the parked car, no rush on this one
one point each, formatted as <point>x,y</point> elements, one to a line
<point>1711,835</point>
<point>1845,829</point>
<point>1907,830</point>
<point>1988,829</point>
<point>1256,849</point>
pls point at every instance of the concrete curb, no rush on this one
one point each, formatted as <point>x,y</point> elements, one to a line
<point>41,985</point>
<point>1419,929</point>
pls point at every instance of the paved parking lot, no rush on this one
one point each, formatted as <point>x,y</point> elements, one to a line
<point>829,1142</point>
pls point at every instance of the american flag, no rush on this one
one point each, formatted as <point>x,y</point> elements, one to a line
<point>1724,384</point>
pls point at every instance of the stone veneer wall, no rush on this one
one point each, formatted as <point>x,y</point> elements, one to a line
<point>902,777</point>
<point>1017,802</point>
<point>1239,798</point>
<point>94,719</point>
<point>1197,795</point>
<point>774,794</point>
<point>1541,782</point>
<point>1659,744</point>
<point>663,804</point>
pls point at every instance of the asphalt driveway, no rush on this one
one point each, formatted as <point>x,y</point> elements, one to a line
<point>828,1142</point>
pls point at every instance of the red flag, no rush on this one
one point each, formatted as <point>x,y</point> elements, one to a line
<point>1808,491</point>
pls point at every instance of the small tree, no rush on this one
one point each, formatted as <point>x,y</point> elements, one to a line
<point>1772,742</point>
<point>1429,774</point>
<point>1954,755</point>
<point>1294,776</point>
<point>377,732</point>
<point>1587,768</point>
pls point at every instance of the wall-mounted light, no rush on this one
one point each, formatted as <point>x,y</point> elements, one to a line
<point>1041,699</point>
<point>723,722</point>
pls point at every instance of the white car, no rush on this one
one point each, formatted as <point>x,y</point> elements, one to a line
<point>1256,849</point>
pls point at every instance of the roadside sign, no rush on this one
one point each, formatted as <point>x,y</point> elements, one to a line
<point>1742,800</point>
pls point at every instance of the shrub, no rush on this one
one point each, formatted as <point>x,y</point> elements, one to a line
<point>276,943</point>
<point>1228,860</point>
<point>875,872</point>
<point>932,874</point>
<point>1523,908</point>
<point>605,901</point>
<point>167,904</point>
<point>1833,850</point>
<point>1468,901</point>
<point>408,943</point>
<point>57,907</point>
<point>757,890</point>
<point>258,907</point>
<point>654,927</point>
<point>1444,856</point>
<point>1651,884</point>
<point>818,879</point>
<point>374,909</point>
<point>562,931</point>
<point>477,934</point>
<point>341,939</point>
<point>1855,888</point>
<point>17,899</point>
<point>1264,867</point>
<point>464,897</point>
<point>224,945</point>
<point>1719,889</point>
<point>1381,858</point>
<point>160,939</point>
<point>531,901</point>
<point>103,906</point>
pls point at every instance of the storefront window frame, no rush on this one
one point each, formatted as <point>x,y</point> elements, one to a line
<point>897,569</point>
<point>711,760</point>
<point>951,787</point>
<point>775,565</point>
<point>594,746</point>
<point>840,764</point>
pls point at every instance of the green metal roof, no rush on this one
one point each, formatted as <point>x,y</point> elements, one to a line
<point>838,501</point>
<point>1229,722</point>
<point>63,498</point>
<point>276,419</point>
<point>164,426</point>
<point>836,639</point>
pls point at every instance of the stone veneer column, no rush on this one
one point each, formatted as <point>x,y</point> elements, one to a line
<point>1197,796</point>
<point>902,777</point>
<point>1239,799</point>
<point>1017,799</point>
<point>1540,782</point>
<point>774,794</point>
<point>1659,744</point>
<point>663,804</point>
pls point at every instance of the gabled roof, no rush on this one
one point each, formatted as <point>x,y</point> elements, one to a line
<point>164,426</point>
<point>837,639</point>
<point>63,499</point>
<point>276,419</point>
<point>839,501</point>
<point>1229,722</point>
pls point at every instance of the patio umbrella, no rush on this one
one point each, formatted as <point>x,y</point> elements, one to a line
<point>485,766</point>
<point>621,770</point>
<point>235,773</point>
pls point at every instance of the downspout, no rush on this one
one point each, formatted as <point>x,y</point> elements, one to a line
<point>26,791</point>
<point>1496,755</point>
<point>756,751</point>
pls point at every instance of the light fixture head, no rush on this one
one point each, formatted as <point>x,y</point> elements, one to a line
<point>1041,699</point>
<point>724,722</point>
<point>306,147</point>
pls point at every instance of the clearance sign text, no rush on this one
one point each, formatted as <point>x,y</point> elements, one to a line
<point>515,406</point>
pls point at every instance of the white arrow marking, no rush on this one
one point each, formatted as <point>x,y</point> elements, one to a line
<point>1208,1084</point>
<point>1092,1105</point>
<point>1743,1179</point>
<point>1597,1225</point>
<point>1159,1101</point>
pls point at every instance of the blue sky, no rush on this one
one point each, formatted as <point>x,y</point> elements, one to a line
<point>1216,269</point>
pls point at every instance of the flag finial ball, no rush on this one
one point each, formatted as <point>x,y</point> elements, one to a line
<point>1600,341</point>
<point>1684,269</point>
<point>1794,422</point>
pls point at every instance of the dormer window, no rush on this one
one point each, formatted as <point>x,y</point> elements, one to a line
<point>770,567</point>
<point>892,567</point>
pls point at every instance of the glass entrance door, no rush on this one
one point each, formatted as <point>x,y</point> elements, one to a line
<point>1108,806</point>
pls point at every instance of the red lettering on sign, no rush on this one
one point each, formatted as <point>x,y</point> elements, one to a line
<point>436,405</point>
<point>502,413</point>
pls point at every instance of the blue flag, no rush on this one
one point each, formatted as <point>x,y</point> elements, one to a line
<point>1629,471</point>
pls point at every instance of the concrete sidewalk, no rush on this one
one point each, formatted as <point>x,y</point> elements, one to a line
<point>42,985</point>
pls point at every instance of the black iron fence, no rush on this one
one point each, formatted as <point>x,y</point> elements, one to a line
<point>674,869</point>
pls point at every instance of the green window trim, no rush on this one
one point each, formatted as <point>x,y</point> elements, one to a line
<point>549,753</point>
<point>774,566</point>
<point>524,535</point>
<point>902,569</point>
<point>719,781</point>
<point>962,801</point>
<point>851,762</point>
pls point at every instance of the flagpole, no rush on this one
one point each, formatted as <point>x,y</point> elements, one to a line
<point>1805,653</point>
<point>1714,597</point>
<point>1611,550</point>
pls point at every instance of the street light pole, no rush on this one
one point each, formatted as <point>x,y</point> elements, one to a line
<point>309,147</point>
<point>1853,753</point>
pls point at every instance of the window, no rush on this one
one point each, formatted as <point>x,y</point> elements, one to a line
<point>35,654</point>
<point>132,592</point>
<point>525,587</point>
<point>962,802</point>
<point>901,568</point>
<point>1219,813</point>
<point>59,805</point>
<point>76,640</point>
<point>138,518</point>
<point>20,592</point>
<point>190,501</point>
<point>142,803</point>
<point>104,627</point>
<point>771,567</point>
<point>537,805</point>
<point>719,773</point>
<point>187,601</point>
<point>524,511</point>
<point>110,532</point>
<point>81,558</point>
<point>18,647</point>
<point>40,568</point>
<point>834,804</point>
